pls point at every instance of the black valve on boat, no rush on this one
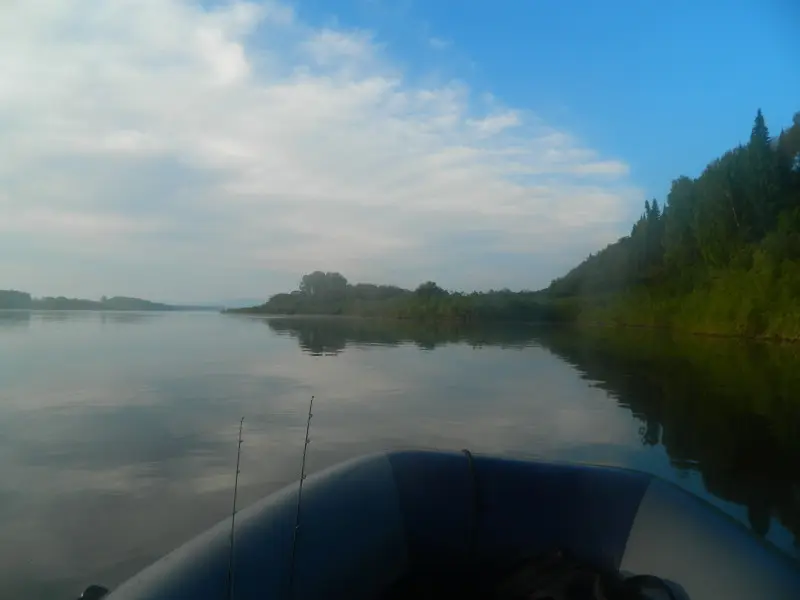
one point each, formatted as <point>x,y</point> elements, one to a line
<point>93,592</point>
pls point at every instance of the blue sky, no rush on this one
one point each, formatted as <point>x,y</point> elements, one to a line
<point>184,150</point>
<point>666,86</point>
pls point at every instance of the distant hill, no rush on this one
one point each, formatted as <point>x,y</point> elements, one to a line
<point>13,299</point>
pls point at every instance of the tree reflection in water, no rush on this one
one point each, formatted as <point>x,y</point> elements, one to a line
<point>726,409</point>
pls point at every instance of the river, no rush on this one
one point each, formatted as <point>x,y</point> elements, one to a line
<point>118,430</point>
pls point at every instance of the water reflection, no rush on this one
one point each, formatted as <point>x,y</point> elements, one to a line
<point>127,317</point>
<point>323,335</point>
<point>11,320</point>
<point>118,443</point>
<point>17,319</point>
<point>727,410</point>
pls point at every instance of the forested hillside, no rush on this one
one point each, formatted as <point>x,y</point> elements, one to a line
<point>721,256</point>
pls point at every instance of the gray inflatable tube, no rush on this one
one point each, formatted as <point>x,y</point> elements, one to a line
<point>367,522</point>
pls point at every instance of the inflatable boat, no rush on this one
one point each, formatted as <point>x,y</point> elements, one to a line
<point>365,525</point>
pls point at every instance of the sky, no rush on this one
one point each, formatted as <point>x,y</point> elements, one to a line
<point>192,151</point>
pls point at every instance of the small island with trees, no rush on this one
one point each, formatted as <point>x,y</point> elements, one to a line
<point>722,257</point>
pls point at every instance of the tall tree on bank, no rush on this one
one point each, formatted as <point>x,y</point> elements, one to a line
<point>680,244</point>
<point>763,192</point>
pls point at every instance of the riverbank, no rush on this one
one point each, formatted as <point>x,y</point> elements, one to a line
<point>756,303</point>
<point>694,315</point>
<point>450,312</point>
<point>700,313</point>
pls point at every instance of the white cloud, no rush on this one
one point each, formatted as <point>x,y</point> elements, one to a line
<point>439,43</point>
<point>329,47</point>
<point>496,123</point>
<point>237,135</point>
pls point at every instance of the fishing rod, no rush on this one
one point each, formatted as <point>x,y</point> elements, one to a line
<point>96,592</point>
<point>299,498</point>
<point>233,512</point>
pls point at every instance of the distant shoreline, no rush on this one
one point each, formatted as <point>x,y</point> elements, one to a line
<point>213,309</point>
<point>18,300</point>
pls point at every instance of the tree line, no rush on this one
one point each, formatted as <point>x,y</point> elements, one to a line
<point>329,293</point>
<point>721,253</point>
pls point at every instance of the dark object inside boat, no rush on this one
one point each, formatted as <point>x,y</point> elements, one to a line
<point>556,575</point>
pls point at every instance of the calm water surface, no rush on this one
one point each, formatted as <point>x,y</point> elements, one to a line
<point>118,431</point>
